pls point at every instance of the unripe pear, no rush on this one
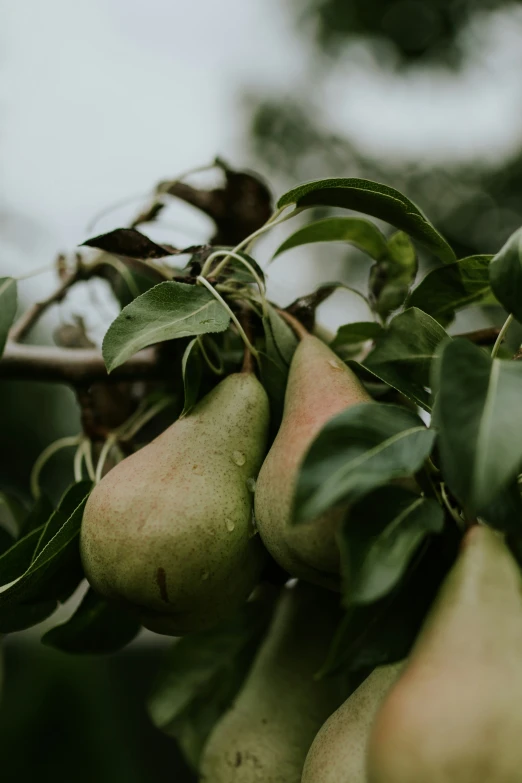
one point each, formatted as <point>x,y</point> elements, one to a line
<point>169,531</point>
<point>338,753</point>
<point>319,386</point>
<point>455,714</point>
<point>265,736</point>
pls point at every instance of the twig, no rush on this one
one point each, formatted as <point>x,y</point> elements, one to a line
<point>482,336</point>
<point>25,323</point>
<point>76,366</point>
<point>296,325</point>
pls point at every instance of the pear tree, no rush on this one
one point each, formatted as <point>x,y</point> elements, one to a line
<point>329,524</point>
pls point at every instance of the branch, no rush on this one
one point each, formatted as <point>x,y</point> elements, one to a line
<point>76,366</point>
<point>25,323</point>
<point>482,336</point>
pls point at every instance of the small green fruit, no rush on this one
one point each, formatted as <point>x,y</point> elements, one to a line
<point>266,734</point>
<point>338,753</point>
<point>169,530</point>
<point>319,386</point>
<point>455,714</point>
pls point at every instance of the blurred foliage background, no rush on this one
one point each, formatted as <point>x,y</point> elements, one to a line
<point>476,203</point>
<point>71,719</point>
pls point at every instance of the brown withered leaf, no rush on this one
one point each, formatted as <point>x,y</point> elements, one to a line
<point>304,307</point>
<point>131,243</point>
<point>238,208</point>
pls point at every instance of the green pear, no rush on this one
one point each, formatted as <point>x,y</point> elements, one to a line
<point>169,531</point>
<point>338,753</point>
<point>455,714</point>
<point>266,734</point>
<point>319,386</point>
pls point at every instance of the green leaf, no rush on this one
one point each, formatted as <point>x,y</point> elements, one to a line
<point>350,338</point>
<point>192,369</point>
<point>6,540</point>
<point>282,336</point>
<point>274,375</point>
<point>39,513</point>
<point>384,632</point>
<point>505,511</point>
<point>97,627</point>
<point>18,557</point>
<point>280,344</point>
<point>505,273</point>
<point>127,287</point>
<point>479,418</point>
<point>165,312</point>
<point>14,562</point>
<point>403,354</point>
<point>8,305</point>
<point>391,278</point>
<point>372,198</point>
<point>12,514</point>
<point>72,498</point>
<point>239,272</point>
<point>359,232</point>
<point>356,333</point>
<point>452,287</point>
<point>381,534</point>
<point>202,675</point>
<point>361,448</point>
<point>44,576</point>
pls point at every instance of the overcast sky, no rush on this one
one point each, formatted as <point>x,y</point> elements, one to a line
<point>100,99</point>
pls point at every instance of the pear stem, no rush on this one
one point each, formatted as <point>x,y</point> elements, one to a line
<point>296,325</point>
<point>78,461</point>
<point>232,315</point>
<point>248,362</point>
<point>502,334</point>
<point>461,523</point>
<point>216,369</point>
<point>248,359</point>
<point>102,459</point>
<point>88,458</point>
<point>248,241</point>
<point>44,457</point>
<point>231,254</point>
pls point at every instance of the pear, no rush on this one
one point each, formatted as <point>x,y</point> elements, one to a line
<point>455,714</point>
<point>265,736</point>
<point>169,531</point>
<point>338,753</point>
<point>319,386</point>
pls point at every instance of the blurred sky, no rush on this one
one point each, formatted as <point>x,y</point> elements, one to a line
<point>100,99</point>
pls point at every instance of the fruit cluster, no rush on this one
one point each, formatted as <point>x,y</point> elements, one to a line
<point>331,529</point>
<point>173,533</point>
